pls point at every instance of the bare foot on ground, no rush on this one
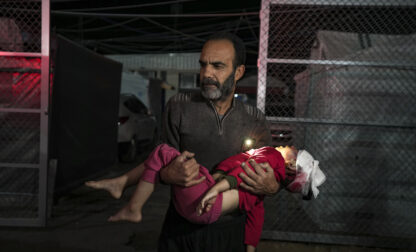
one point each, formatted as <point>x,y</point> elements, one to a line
<point>113,186</point>
<point>127,213</point>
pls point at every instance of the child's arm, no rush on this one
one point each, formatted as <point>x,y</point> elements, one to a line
<point>209,198</point>
<point>218,175</point>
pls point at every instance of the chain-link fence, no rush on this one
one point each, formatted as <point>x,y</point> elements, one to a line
<point>24,70</point>
<point>349,69</point>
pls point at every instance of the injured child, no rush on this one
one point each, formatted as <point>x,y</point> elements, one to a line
<point>220,193</point>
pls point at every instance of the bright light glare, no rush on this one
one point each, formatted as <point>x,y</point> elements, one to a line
<point>248,142</point>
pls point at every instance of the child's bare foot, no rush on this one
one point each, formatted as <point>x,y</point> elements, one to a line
<point>127,213</point>
<point>114,186</point>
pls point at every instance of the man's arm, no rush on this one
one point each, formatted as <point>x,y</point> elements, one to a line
<point>262,181</point>
<point>170,124</point>
<point>182,171</point>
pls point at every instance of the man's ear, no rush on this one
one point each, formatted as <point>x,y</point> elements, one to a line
<point>239,72</point>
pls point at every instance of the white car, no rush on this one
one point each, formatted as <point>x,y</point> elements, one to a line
<point>137,127</point>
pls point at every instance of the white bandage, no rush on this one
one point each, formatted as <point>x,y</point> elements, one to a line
<point>315,177</point>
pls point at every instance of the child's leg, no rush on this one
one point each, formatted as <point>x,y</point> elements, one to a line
<point>160,157</point>
<point>115,186</point>
<point>133,210</point>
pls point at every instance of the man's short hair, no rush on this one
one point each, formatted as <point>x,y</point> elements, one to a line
<point>239,47</point>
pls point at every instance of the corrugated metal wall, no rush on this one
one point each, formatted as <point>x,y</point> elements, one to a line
<point>173,61</point>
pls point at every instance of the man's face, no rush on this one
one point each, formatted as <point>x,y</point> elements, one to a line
<point>214,90</point>
<point>217,73</point>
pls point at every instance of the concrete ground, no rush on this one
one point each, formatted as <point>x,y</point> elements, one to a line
<point>78,223</point>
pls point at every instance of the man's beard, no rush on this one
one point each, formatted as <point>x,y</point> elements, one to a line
<point>219,93</point>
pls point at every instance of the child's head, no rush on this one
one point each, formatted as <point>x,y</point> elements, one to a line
<point>289,154</point>
<point>302,171</point>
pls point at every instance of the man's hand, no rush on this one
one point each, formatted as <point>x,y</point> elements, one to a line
<point>262,181</point>
<point>183,171</point>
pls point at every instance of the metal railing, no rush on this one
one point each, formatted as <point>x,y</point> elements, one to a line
<point>24,98</point>
<point>349,74</point>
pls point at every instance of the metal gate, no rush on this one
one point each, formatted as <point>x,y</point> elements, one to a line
<point>24,97</point>
<point>349,68</point>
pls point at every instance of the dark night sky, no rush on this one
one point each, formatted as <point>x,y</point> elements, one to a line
<point>111,34</point>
